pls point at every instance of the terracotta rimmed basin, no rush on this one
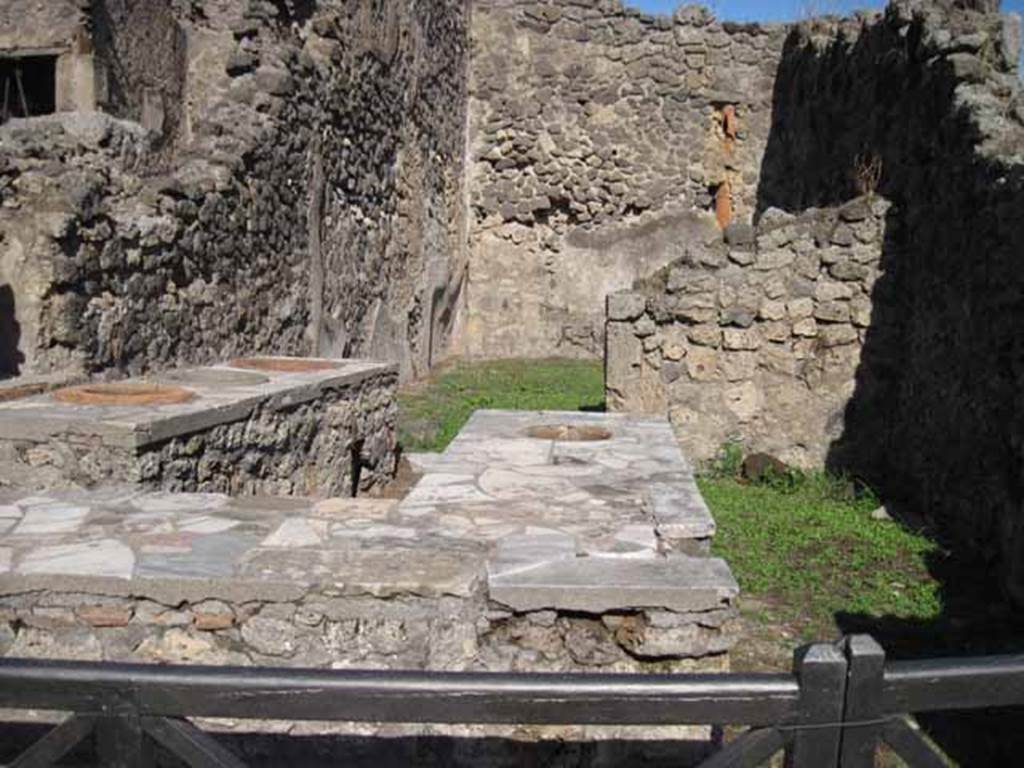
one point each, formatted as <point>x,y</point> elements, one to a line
<point>216,377</point>
<point>569,433</point>
<point>285,364</point>
<point>21,392</point>
<point>130,394</point>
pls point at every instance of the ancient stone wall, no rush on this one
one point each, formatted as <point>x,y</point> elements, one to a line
<point>52,175</point>
<point>30,24</point>
<point>597,135</point>
<point>313,203</point>
<point>387,630</point>
<point>380,628</point>
<point>755,340</point>
<point>901,366</point>
<point>934,100</point>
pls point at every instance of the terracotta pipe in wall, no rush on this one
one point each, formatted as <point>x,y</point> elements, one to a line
<point>731,127</point>
<point>723,204</point>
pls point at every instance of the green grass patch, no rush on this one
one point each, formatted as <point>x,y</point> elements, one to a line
<point>810,548</point>
<point>433,412</point>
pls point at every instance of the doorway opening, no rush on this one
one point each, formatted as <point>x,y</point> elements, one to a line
<point>11,357</point>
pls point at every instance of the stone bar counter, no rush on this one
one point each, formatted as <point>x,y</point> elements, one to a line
<point>259,426</point>
<point>537,541</point>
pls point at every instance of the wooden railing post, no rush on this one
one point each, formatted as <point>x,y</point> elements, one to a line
<point>821,670</point>
<point>866,660</point>
<point>121,741</point>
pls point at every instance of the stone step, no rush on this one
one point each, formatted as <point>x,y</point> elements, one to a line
<point>677,583</point>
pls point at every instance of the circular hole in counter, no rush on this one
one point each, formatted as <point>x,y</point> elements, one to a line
<point>569,433</point>
<point>285,364</point>
<point>131,394</point>
<point>216,377</point>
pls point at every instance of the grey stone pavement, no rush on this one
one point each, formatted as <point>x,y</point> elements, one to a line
<point>543,523</point>
<point>223,395</point>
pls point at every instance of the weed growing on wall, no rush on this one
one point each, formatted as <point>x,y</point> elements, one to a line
<point>867,173</point>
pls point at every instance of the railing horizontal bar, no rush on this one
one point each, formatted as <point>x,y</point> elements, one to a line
<point>950,684</point>
<point>398,697</point>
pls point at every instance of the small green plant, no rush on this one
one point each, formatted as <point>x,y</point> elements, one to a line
<point>788,481</point>
<point>728,461</point>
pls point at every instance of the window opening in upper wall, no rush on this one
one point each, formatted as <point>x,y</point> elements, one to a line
<point>28,86</point>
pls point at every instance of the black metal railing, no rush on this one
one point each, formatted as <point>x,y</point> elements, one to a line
<point>834,710</point>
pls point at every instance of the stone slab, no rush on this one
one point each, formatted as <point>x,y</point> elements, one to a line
<point>42,417</point>
<point>586,525</point>
<point>638,475</point>
<point>189,547</point>
<point>540,523</point>
<point>598,585</point>
<point>680,511</point>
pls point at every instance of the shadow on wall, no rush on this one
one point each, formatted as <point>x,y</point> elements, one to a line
<point>11,357</point>
<point>936,419</point>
